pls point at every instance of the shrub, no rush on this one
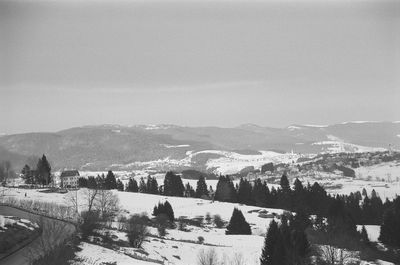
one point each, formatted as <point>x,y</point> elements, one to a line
<point>60,254</point>
<point>162,222</point>
<point>208,218</point>
<point>219,223</point>
<point>90,222</point>
<point>200,239</point>
<point>181,224</point>
<point>137,230</point>
<point>208,257</point>
<point>122,220</point>
<point>164,208</point>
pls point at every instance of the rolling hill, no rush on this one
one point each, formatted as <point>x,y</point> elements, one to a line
<point>170,146</point>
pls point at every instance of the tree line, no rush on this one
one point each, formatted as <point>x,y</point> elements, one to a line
<point>40,175</point>
<point>355,208</point>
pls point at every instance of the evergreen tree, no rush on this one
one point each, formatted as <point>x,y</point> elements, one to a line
<point>173,185</point>
<point>225,190</point>
<point>154,186</point>
<point>285,184</point>
<point>43,171</point>
<point>238,225</point>
<point>27,174</point>
<point>164,208</point>
<point>270,241</point>
<point>142,186</point>
<point>110,181</point>
<point>259,194</point>
<point>83,182</point>
<point>189,191</point>
<point>364,235</point>
<point>364,192</point>
<point>120,185</point>
<point>101,182</point>
<point>390,229</point>
<point>201,188</point>
<point>244,193</point>
<point>91,183</point>
<point>132,185</point>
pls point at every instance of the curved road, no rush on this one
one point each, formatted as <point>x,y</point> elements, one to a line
<point>54,231</point>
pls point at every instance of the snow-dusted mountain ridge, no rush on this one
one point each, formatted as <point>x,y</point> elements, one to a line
<point>163,146</point>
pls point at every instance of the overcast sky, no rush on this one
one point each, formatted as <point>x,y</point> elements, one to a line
<point>224,63</point>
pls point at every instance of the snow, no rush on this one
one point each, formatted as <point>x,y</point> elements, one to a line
<point>96,255</point>
<point>336,145</point>
<point>10,221</point>
<point>175,146</point>
<point>373,231</point>
<point>358,122</point>
<point>292,128</point>
<point>389,171</point>
<point>315,125</point>
<point>232,162</point>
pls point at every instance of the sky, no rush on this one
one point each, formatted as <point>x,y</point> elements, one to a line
<point>196,63</point>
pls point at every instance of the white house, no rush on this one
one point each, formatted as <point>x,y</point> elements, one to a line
<point>69,178</point>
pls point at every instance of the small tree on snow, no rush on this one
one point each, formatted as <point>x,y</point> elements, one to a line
<point>238,224</point>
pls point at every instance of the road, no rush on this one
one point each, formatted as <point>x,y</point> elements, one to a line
<point>54,231</point>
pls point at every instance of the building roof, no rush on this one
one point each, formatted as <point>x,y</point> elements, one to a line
<point>69,173</point>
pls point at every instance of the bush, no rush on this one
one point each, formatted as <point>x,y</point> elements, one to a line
<point>164,208</point>
<point>122,220</point>
<point>60,254</point>
<point>208,257</point>
<point>137,230</point>
<point>208,218</point>
<point>200,239</point>
<point>162,222</point>
<point>219,223</point>
<point>181,224</point>
<point>90,222</point>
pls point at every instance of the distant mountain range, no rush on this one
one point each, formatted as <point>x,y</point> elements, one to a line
<point>170,146</point>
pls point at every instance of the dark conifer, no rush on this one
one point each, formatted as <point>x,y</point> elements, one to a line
<point>270,242</point>
<point>120,185</point>
<point>238,225</point>
<point>132,185</point>
<point>110,181</point>
<point>201,188</point>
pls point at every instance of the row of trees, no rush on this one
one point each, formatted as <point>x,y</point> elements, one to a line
<point>173,185</point>
<point>312,199</point>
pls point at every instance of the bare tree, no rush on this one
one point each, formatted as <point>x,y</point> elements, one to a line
<point>72,200</point>
<point>336,256</point>
<point>137,230</point>
<point>106,202</point>
<point>90,196</point>
<point>207,257</point>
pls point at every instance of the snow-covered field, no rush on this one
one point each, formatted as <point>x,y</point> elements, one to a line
<point>389,171</point>
<point>249,247</point>
<point>232,162</point>
<point>177,247</point>
<point>228,162</point>
<point>373,231</point>
<point>337,145</point>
